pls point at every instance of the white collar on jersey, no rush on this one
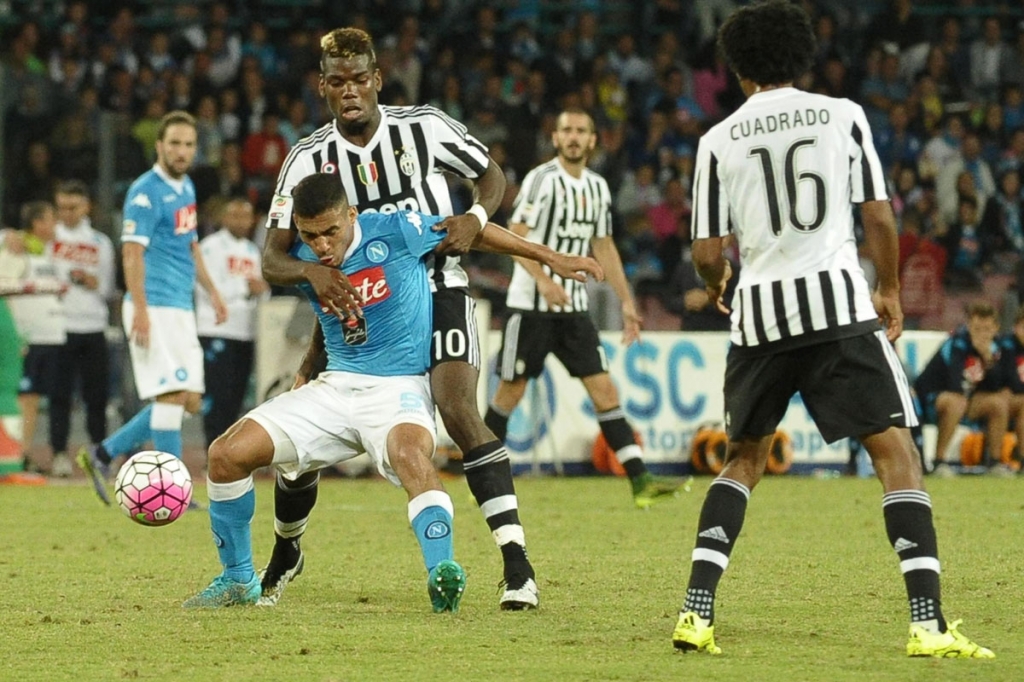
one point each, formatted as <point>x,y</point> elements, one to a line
<point>357,239</point>
<point>177,185</point>
<point>373,142</point>
<point>774,92</point>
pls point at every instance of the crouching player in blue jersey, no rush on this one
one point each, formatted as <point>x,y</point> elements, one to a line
<point>374,396</point>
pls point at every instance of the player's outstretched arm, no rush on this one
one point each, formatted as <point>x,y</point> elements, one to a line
<point>488,191</point>
<point>496,239</point>
<point>331,285</point>
<point>884,248</point>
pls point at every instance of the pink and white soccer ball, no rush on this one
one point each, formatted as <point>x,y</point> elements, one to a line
<point>153,488</point>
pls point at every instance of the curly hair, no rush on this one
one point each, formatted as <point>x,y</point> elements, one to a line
<point>769,42</point>
<point>346,43</point>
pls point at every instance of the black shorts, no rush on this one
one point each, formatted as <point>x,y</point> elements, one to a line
<point>851,387</point>
<point>40,370</point>
<point>455,337</point>
<point>529,337</point>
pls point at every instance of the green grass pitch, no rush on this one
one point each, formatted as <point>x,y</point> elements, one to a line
<point>813,592</point>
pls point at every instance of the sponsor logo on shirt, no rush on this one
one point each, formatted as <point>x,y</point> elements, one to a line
<point>185,220</point>
<point>241,267</point>
<point>371,284</point>
<point>80,254</point>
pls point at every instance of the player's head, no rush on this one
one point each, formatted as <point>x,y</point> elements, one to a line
<point>768,43</point>
<point>176,143</point>
<point>73,203</point>
<point>349,77</point>
<point>238,217</point>
<point>982,324</point>
<point>323,216</point>
<point>574,137</point>
<point>39,219</point>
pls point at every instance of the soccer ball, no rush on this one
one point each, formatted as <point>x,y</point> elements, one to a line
<point>153,488</point>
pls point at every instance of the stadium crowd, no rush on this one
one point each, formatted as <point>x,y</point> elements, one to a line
<point>942,84</point>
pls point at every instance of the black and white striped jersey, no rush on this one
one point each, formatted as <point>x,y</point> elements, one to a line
<point>401,169</point>
<point>563,213</point>
<point>782,174</point>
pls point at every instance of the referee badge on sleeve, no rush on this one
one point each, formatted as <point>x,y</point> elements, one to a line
<point>354,330</point>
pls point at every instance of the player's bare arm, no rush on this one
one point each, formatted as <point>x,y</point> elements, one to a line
<point>552,292</point>
<point>884,248</point>
<point>607,255</point>
<point>206,282</point>
<point>314,351</point>
<point>330,284</point>
<point>134,255</point>
<point>496,239</point>
<point>713,267</point>
<point>463,229</point>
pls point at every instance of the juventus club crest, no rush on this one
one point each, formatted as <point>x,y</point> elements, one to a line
<point>367,173</point>
<point>407,163</point>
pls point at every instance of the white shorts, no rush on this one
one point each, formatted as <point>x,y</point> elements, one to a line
<point>340,415</point>
<point>174,359</point>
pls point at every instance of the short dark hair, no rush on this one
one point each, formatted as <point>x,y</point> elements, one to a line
<point>174,118</point>
<point>578,111</point>
<point>315,194</point>
<point>32,211</point>
<point>982,309</point>
<point>345,43</point>
<point>76,187</point>
<point>768,42</point>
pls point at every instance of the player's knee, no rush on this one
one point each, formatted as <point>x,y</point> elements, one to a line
<point>224,459</point>
<point>193,403</point>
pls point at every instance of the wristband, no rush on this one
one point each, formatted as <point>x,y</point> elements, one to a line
<point>481,214</point>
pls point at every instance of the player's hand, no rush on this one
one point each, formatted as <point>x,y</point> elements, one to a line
<point>257,286</point>
<point>631,324</point>
<point>220,309</point>
<point>462,232</point>
<point>890,314</point>
<point>335,292</point>
<point>715,293</point>
<point>140,327</point>
<point>575,267</point>
<point>696,300</point>
<point>554,294</point>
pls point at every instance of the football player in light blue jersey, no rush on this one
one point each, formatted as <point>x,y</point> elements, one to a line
<point>162,262</point>
<point>374,396</point>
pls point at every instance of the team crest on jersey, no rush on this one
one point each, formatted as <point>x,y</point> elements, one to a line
<point>407,163</point>
<point>367,173</point>
<point>185,220</point>
<point>377,251</point>
<point>80,254</point>
<point>329,168</point>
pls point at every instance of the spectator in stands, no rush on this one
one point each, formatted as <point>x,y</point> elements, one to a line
<point>1011,71</point>
<point>895,141</point>
<point>965,248</point>
<point>263,154</point>
<point>957,54</point>
<point>988,54</point>
<point>883,90</point>
<point>1001,220</point>
<point>964,379</point>
<point>898,24</point>
<point>33,182</point>
<point>257,44</point>
<point>209,139</point>
<point>297,124</point>
<point>1013,156</point>
<point>949,180</point>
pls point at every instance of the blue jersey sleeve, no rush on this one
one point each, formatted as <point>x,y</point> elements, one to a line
<point>140,216</point>
<point>418,232</point>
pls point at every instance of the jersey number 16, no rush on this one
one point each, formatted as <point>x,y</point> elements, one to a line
<point>792,176</point>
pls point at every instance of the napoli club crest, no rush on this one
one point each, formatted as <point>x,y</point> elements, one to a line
<point>377,251</point>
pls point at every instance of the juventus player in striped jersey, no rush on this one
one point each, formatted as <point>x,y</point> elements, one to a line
<point>780,176</point>
<point>567,207</point>
<point>391,159</point>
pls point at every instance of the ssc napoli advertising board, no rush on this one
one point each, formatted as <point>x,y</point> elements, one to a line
<point>669,385</point>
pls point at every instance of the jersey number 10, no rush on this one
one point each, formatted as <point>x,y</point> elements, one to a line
<point>793,176</point>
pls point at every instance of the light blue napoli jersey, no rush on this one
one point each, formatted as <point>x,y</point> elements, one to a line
<point>160,214</point>
<point>386,264</point>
